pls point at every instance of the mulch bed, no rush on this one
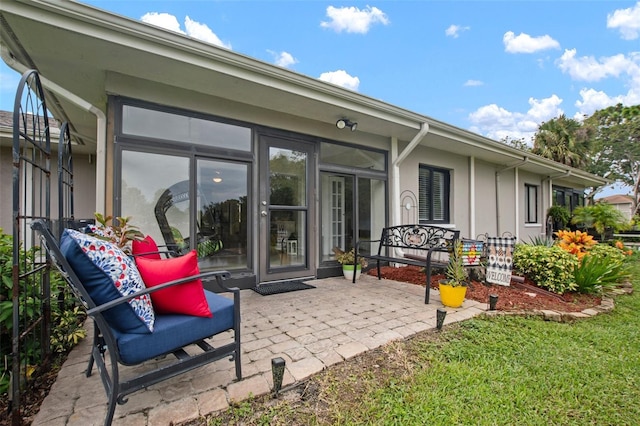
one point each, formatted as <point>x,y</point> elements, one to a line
<point>512,298</point>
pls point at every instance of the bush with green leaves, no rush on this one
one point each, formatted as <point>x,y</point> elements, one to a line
<point>549,267</point>
<point>66,319</point>
<point>595,274</point>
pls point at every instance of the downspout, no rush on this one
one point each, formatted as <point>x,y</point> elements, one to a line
<point>525,160</point>
<point>101,123</point>
<point>396,159</point>
<point>472,197</point>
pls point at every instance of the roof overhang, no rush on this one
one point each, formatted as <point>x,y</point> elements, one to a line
<point>79,47</point>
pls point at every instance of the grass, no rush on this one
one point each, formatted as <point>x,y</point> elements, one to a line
<point>485,371</point>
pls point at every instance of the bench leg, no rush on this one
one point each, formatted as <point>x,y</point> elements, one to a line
<point>379,272</point>
<point>428,287</point>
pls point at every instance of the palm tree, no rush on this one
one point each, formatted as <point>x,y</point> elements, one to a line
<point>564,140</point>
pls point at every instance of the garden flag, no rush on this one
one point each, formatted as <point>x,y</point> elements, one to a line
<point>500,259</point>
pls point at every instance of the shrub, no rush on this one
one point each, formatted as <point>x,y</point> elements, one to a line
<point>595,274</point>
<point>549,267</point>
<point>575,242</point>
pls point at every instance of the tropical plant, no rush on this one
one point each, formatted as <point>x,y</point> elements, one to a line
<point>541,240</point>
<point>118,231</point>
<point>348,257</point>
<point>599,216</point>
<point>456,274</point>
<point>549,267</point>
<point>575,242</point>
<point>564,140</point>
<point>595,274</point>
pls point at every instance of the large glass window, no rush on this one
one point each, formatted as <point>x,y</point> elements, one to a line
<point>531,204</point>
<point>568,197</point>
<point>184,129</point>
<point>433,185</point>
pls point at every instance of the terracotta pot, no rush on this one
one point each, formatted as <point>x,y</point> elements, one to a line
<point>451,296</point>
<point>347,271</point>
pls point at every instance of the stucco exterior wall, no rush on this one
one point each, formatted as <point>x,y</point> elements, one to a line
<point>84,187</point>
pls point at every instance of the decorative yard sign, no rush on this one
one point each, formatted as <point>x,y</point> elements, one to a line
<point>471,252</point>
<point>500,259</point>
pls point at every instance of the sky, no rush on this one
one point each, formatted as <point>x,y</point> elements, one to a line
<point>496,68</point>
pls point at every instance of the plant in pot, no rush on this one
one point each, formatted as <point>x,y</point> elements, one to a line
<point>454,287</point>
<point>347,260</point>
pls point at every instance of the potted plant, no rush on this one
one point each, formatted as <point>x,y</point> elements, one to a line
<point>454,287</point>
<point>347,260</point>
<point>560,217</point>
<point>119,231</point>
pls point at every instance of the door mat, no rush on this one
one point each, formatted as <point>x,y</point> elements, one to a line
<point>281,287</point>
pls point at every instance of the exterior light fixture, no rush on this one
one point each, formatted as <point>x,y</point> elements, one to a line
<point>440,315</point>
<point>344,122</point>
<point>277,369</point>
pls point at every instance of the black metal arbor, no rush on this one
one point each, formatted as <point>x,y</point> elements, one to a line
<point>25,340</point>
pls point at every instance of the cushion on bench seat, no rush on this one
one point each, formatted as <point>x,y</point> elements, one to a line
<point>174,331</point>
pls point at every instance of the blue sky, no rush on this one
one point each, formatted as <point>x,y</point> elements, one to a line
<point>498,68</point>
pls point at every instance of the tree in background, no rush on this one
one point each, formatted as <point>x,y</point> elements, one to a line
<point>564,140</point>
<point>616,146</point>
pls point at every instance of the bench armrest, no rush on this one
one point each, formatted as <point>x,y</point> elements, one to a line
<point>219,276</point>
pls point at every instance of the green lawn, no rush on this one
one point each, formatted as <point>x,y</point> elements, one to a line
<point>485,371</point>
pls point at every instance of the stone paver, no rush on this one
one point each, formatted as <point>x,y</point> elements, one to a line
<point>309,329</point>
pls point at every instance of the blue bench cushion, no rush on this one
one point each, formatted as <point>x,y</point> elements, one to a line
<point>175,331</point>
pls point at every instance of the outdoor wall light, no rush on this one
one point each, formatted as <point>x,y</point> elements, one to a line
<point>343,122</point>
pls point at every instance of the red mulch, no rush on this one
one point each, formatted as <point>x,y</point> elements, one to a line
<point>509,298</point>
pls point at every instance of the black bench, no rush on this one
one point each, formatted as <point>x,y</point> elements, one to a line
<point>424,238</point>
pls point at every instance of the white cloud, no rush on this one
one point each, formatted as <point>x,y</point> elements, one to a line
<point>627,21</point>
<point>341,78</point>
<point>593,100</point>
<point>193,28</point>
<point>588,68</point>
<point>455,30</point>
<point>353,20</point>
<point>163,20</point>
<point>498,123</point>
<point>524,43</point>
<point>283,59</point>
<point>474,83</point>
<point>203,32</point>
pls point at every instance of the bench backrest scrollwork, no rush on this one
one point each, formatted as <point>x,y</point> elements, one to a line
<point>422,237</point>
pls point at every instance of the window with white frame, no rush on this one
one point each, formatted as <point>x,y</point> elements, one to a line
<point>433,199</point>
<point>530,203</point>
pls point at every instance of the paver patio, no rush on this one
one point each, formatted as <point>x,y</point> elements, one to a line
<point>310,329</point>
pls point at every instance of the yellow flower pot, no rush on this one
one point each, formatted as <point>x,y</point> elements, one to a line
<point>452,296</point>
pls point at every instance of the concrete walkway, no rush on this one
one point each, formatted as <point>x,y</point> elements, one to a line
<point>310,329</point>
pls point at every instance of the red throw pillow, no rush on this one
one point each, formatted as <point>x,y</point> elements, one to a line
<point>148,245</point>
<point>187,298</point>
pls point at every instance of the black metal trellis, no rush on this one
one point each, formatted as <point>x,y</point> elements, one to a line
<point>31,320</point>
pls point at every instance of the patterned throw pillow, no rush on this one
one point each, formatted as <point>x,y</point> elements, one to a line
<point>108,273</point>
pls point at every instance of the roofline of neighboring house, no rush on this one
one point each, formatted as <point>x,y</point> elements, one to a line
<point>121,29</point>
